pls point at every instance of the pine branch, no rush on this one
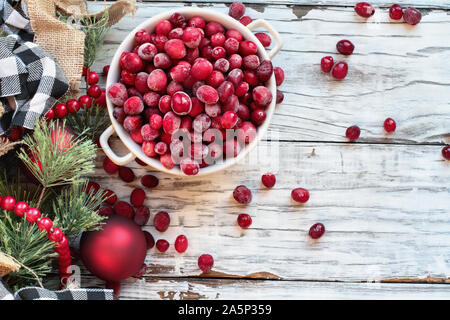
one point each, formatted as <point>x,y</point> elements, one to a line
<point>77,210</point>
<point>55,157</point>
<point>91,123</point>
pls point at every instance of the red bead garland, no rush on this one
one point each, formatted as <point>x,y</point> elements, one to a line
<point>33,215</point>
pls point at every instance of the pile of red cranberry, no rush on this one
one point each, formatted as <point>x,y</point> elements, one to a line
<point>192,92</point>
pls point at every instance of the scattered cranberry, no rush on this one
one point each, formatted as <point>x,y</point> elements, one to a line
<point>181,243</point>
<point>162,245</point>
<point>242,194</point>
<point>264,38</point>
<point>92,187</point>
<point>300,195</point>
<point>345,47</point>
<point>149,181</point>
<point>205,262</point>
<point>364,9</point>
<point>352,133</point>
<point>142,215</point>
<point>126,174</point>
<point>317,230</point>
<point>150,240</point>
<point>268,179</point>
<point>412,16</point>
<point>246,20</point>
<point>396,12</point>
<point>137,197</point>
<point>446,152</point>
<point>389,125</point>
<point>237,10</point>
<point>106,70</point>
<point>110,196</point>
<point>161,221</point>
<point>105,211</point>
<point>339,70</point>
<point>244,220</point>
<point>124,208</point>
<point>279,75</point>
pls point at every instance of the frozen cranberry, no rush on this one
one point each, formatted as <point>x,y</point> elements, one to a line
<point>352,133</point>
<point>215,79</point>
<point>248,47</point>
<point>133,106</point>
<point>119,114</point>
<point>389,125</point>
<point>137,197</point>
<point>205,262</point>
<point>251,62</point>
<point>128,78</point>
<point>218,40</point>
<point>247,132</point>
<point>181,103</point>
<point>132,123</point>
<point>133,92</point>
<point>126,174</point>
<point>156,121</point>
<point>161,221</point>
<point>177,20</point>
<point>235,61</point>
<point>148,147</point>
<point>300,195</point>
<point>242,194</point>
<point>231,46</point>
<point>179,73</point>
<point>326,63</point>
<point>242,89</point>
<point>235,76</point>
<point>147,51</point>
<point>132,63</point>
<point>213,27</point>
<point>412,16</point>
<point>264,38</point>
<point>280,97</point>
<point>262,96</point>
<point>141,82</point>
<point>189,167</point>
<point>213,110</point>
<point>105,211</point>
<point>207,94</point>
<point>228,120</point>
<point>181,243</point>
<point>250,77</point>
<point>175,48</point>
<point>279,75</point>
<point>201,123</point>
<point>243,112</point>
<point>446,152</point>
<point>197,85</point>
<point>206,52</point>
<point>148,133</point>
<point>162,245</point>
<point>201,69</point>
<point>364,9</point>
<point>192,37</point>
<point>173,87</point>
<point>215,151</point>
<point>339,70</point>
<point>244,220</point>
<point>222,65</point>
<point>151,99</point>
<point>171,122</point>
<point>218,53</point>
<point>246,20</point>
<point>317,230</point>
<point>157,80</point>
<point>124,209</point>
<point>192,55</point>
<point>162,61</point>
<point>161,148</point>
<point>264,71</point>
<point>149,181</point>
<point>197,107</point>
<point>176,33</point>
<point>163,27</point>
<point>197,22</point>
<point>149,239</point>
<point>109,196</point>
<point>109,166</point>
<point>396,12</point>
<point>164,104</point>
<point>142,36</point>
<point>258,116</point>
<point>345,47</point>
<point>268,179</point>
<point>237,10</point>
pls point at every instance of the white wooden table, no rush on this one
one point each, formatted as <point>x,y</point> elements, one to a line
<point>385,200</point>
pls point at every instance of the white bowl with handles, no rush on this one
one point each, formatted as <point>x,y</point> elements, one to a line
<point>127,44</point>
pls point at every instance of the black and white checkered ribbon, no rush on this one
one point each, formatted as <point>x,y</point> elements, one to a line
<point>35,293</point>
<point>27,72</point>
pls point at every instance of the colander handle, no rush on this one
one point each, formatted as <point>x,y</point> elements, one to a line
<point>274,33</point>
<point>108,151</point>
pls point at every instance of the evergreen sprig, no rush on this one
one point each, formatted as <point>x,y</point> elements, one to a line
<point>55,157</point>
<point>91,122</point>
<point>76,210</point>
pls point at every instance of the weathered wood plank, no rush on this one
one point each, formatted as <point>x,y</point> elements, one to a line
<point>189,289</point>
<point>385,209</point>
<point>396,71</point>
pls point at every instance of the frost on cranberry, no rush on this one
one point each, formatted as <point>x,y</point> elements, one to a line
<point>197,22</point>
<point>237,10</point>
<point>148,133</point>
<point>177,20</point>
<point>345,47</point>
<point>339,70</point>
<point>228,120</point>
<point>132,123</point>
<point>142,36</point>
<point>352,133</point>
<point>162,61</point>
<point>171,122</point>
<point>412,16</point>
<point>179,73</point>
<point>205,262</point>
<point>192,37</point>
<point>133,106</point>
<point>264,38</point>
<point>235,76</point>
<point>201,123</point>
<point>264,71</point>
<point>364,9</point>
<point>207,94</point>
<point>247,132</point>
<point>262,96</point>
<point>251,62</point>
<point>201,69</point>
<point>189,167</point>
<point>147,51</point>
<point>176,33</point>
<point>164,104</point>
<point>175,48</point>
<point>173,87</point>
<point>148,148</point>
<point>124,209</point>
<point>215,79</point>
<point>157,80</point>
<point>396,12</point>
<point>248,47</point>
<point>242,194</point>
<point>163,27</point>
<point>151,99</point>
<point>213,27</point>
<point>117,93</point>
<point>131,62</point>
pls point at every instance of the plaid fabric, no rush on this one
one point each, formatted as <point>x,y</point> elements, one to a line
<point>28,75</point>
<point>35,293</point>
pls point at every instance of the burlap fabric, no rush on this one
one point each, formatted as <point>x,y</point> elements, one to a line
<point>7,265</point>
<point>62,41</point>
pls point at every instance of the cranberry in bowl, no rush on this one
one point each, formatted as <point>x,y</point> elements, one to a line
<point>187,96</point>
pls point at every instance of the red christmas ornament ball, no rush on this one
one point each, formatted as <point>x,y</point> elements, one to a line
<point>115,252</point>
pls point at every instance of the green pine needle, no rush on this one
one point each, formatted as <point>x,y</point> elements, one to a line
<point>91,122</point>
<point>55,158</point>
